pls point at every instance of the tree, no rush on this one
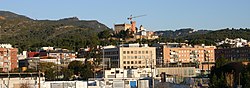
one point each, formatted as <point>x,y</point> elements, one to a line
<point>213,81</point>
<point>88,71</point>
<point>85,71</point>
<point>44,66</point>
<point>76,67</point>
<point>51,74</point>
<point>104,34</point>
<point>67,74</point>
<point>220,62</point>
<point>50,70</point>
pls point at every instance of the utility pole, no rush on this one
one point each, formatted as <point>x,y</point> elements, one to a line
<point>8,68</point>
<point>152,66</point>
<point>103,61</point>
<point>39,85</point>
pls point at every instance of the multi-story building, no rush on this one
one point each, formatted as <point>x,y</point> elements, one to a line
<point>237,53</point>
<point>201,57</point>
<point>131,56</point>
<point>8,58</point>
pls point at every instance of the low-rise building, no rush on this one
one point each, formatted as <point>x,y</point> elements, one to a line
<point>130,73</point>
<point>178,71</point>
<point>22,80</point>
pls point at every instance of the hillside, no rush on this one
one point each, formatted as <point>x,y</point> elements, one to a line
<point>26,33</point>
<point>180,32</point>
<point>207,37</point>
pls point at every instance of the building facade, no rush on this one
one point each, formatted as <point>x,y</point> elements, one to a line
<point>178,71</point>
<point>8,58</point>
<point>131,56</point>
<point>201,57</point>
<point>120,27</point>
<point>237,53</point>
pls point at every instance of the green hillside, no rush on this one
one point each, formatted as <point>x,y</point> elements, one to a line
<point>26,33</point>
<point>208,37</point>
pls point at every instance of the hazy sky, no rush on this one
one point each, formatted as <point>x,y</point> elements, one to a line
<point>160,14</point>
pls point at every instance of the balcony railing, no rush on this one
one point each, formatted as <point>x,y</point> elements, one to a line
<point>6,60</point>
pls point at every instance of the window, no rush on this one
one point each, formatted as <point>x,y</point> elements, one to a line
<point>191,72</point>
<point>127,52</point>
<point>128,62</point>
<point>135,57</point>
<point>139,62</point>
<point>124,57</point>
<point>124,52</point>
<point>135,52</point>
<point>131,52</point>
<point>128,67</point>
<point>128,57</point>
<point>117,71</point>
<point>124,62</point>
<point>139,52</point>
<point>132,62</point>
<point>132,57</point>
<point>142,52</point>
<point>143,57</point>
<point>146,52</point>
<point>185,72</point>
<point>135,62</point>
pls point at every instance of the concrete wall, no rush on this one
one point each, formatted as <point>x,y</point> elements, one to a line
<point>17,82</point>
<point>66,84</point>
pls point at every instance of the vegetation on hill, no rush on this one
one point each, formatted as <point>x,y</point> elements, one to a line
<point>203,36</point>
<point>26,33</point>
<point>72,33</point>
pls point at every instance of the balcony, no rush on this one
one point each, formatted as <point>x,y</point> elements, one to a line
<point>1,64</point>
<point>6,61</point>
<point>5,66</point>
<point>173,53</point>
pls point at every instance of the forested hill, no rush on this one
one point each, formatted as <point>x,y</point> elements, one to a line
<point>24,32</point>
<point>208,37</point>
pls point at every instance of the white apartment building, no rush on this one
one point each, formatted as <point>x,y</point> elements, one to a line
<point>238,42</point>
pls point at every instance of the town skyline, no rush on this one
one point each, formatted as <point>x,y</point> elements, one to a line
<point>160,15</point>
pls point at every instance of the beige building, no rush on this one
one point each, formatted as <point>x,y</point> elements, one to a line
<point>181,54</point>
<point>202,57</point>
<point>131,56</point>
<point>120,27</point>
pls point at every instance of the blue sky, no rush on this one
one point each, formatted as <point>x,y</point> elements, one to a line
<point>161,14</point>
